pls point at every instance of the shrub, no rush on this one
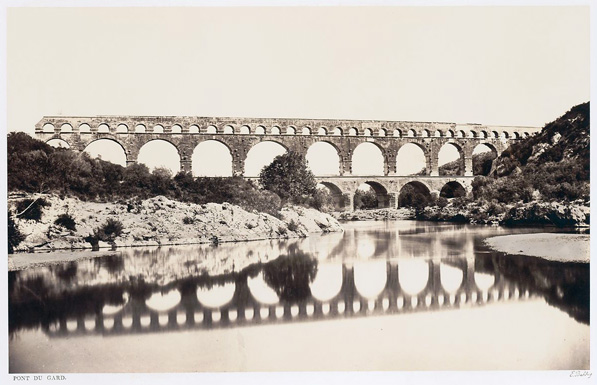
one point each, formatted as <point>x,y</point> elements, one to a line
<point>292,225</point>
<point>15,237</point>
<point>289,177</point>
<point>188,220</point>
<point>31,209</point>
<point>106,232</point>
<point>66,221</point>
<point>365,200</point>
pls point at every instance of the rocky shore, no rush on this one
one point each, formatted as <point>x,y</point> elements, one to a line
<point>160,221</point>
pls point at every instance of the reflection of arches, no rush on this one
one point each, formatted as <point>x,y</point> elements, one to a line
<point>261,155</point>
<point>450,277</point>
<point>411,160</point>
<point>107,149</point>
<point>450,160</point>
<point>328,281</point>
<point>452,190</point>
<point>217,296</point>
<point>261,291</point>
<point>367,159</point>
<point>483,156</point>
<point>413,275</point>
<point>58,143</point>
<point>370,277</point>
<point>323,159</point>
<point>163,302</point>
<point>413,194</point>
<point>212,158</point>
<point>168,155</point>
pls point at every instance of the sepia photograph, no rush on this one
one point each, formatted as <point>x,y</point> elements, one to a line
<point>298,192</point>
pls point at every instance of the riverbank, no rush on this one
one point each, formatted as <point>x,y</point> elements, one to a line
<point>160,221</point>
<point>549,246</point>
<point>375,215</point>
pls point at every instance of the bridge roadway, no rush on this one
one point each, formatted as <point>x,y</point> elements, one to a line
<point>239,135</point>
<point>243,309</point>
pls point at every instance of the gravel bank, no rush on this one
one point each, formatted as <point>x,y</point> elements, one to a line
<point>550,246</point>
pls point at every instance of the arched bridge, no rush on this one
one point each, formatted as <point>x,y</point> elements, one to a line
<point>240,135</point>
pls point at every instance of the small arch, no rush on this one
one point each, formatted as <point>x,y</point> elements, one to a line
<point>460,134</point>
<point>228,129</point>
<point>103,128</point>
<point>494,134</point>
<point>66,128</point>
<point>437,134</point>
<point>122,129</point>
<point>211,129</point>
<point>352,131</point>
<point>158,129</point>
<point>48,127</point>
<point>382,132</point>
<point>84,128</point>
<point>275,130</point>
<point>306,131</point>
<point>139,128</point>
<point>414,194</point>
<point>291,130</point>
<point>58,143</point>
<point>176,129</point>
<point>425,134</point>
<point>449,134</point>
<point>397,133</point>
<point>322,131</point>
<point>411,133</point>
<point>526,135</point>
<point>338,131</point>
<point>260,130</point>
<point>472,134</point>
<point>367,132</point>
<point>452,190</point>
<point>245,130</point>
<point>505,135</point>
<point>516,135</point>
<point>194,129</point>
<point>483,135</point>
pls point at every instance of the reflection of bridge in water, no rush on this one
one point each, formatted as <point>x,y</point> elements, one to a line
<point>401,286</point>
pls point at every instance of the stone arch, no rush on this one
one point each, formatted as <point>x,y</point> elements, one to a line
<point>482,164</point>
<point>84,128</point>
<point>260,130</point>
<point>505,135</point>
<point>411,159</point>
<point>338,131</point>
<point>472,134</point>
<point>483,134</point>
<point>452,189</point>
<point>211,158</point>
<point>48,127</point>
<point>397,133</point>
<point>261,155</point>
<point>103,128</point>
<point>413,193</point>
<point>111,150</point>
<point>368,158</point>
<point>140,128</point>
<point>211,129</point>
<point>367,132</point>
<point>437,134</point>
<point>228,129</point>
<point>425,133</point>
<point>323,158</point>
<point>275,130</point>
<point>411,133</point>
<point>122,129</point>
<point>460,134</point>
<point>66,127</point>
<point>306,130</point>
<point>381,192</point>
<point>526,135</point>
<point>58,143</point>
<point>244,130</point>
<point>322,131</point>
<point>449,134</point>
<point>194,129</point>
<point>336,195</point>
<point>447,162</point>
<point>382,132</point>
<point>352,131</point>
<point>158,129</point>
<point>516,135</point>
<point>176,129</point>
<point>169,155</point>
<point>494,134</point>
<point>291,130</point>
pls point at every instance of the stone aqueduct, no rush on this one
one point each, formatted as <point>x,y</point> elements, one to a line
<point>241,134</point>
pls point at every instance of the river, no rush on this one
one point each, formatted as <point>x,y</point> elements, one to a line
<point>397,295</point>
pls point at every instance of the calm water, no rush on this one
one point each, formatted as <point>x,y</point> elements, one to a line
<point>401,295</point>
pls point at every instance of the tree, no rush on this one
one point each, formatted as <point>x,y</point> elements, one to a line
<point>289,178</point>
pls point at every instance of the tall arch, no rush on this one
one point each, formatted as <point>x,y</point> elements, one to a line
<point>211,158</point>
<point>169,156</point>
<point>323,159</point>
<point>450,160</point>
<point>261,155</point>
<point>367,159</point>
<point>483,156</point>
<point>58,143</point>
<point>411,160</point>
<point>107,149</point>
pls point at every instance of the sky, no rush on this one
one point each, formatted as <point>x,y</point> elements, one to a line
<point>490,65</point>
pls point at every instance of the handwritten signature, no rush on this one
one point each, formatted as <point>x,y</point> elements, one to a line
<point>581,373</point>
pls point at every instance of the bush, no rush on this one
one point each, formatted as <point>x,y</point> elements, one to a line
<point>107,232</point>
<point>188,220</point>
<point>293,226</point>
<point>31,209</point>
<point>365,200</point>
<point>66,221</point>
<point>289,177</point>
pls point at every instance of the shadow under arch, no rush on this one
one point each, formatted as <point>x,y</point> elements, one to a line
<point>452,189</point>
<point>414,194</point>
